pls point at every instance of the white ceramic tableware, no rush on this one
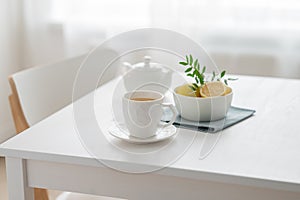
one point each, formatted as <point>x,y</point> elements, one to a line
<point>202,109</point>
<point>121,132</point>
<point>142,112</point>
<point>147,75</point>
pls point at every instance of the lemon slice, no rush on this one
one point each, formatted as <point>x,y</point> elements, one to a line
<point>187,91</point>
<point>213,89</point>
<point>227,91</point>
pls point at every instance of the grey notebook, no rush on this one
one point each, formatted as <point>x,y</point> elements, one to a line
<point>234,116</point>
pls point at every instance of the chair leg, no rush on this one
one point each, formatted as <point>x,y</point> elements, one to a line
<point>40,194</point>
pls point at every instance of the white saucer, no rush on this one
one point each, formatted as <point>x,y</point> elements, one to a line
<point>122,133</point>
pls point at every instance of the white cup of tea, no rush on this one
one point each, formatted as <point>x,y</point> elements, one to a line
<point>143,111</point>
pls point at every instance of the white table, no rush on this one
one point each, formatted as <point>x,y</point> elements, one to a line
<point>258,158</point>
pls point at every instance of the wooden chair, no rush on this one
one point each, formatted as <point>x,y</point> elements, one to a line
<point>40,91</point>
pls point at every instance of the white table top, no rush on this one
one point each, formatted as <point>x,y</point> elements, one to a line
<point>262,151</point>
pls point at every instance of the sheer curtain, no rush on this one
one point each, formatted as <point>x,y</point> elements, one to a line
<point>235,33</point>
<point>9,59</point>
<point>42,38</point>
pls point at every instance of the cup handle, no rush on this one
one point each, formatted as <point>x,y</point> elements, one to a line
<point>174,111</point>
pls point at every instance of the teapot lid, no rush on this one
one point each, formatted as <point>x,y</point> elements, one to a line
<point>151,66</point>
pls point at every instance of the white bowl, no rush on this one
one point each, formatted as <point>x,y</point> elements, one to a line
<point>202,109</point>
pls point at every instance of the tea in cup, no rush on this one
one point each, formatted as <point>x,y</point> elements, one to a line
<point>143,111</point>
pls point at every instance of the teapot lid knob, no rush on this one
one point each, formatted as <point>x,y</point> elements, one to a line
<point>147,60</point>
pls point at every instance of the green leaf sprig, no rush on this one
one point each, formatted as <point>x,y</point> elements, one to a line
<point>194,70</point>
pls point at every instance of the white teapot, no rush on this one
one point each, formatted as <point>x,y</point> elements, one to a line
<point>147,76</point>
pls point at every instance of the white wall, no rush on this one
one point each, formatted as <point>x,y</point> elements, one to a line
<point>10,45</point>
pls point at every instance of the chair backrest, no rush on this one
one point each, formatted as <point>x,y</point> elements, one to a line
<point>40,91</point>
<point>44,90</point>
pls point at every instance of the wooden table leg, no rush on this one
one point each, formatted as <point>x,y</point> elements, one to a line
<point>17,180</point>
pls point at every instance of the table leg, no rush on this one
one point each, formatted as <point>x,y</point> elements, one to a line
<point>17,180</point>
